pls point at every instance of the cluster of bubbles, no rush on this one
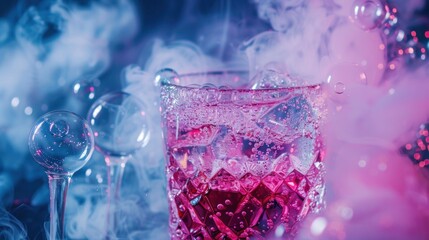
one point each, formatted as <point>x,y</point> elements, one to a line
<point>407,44</point>
<point>62,142</point>
<point>403,43</point>
<point>55,55</point>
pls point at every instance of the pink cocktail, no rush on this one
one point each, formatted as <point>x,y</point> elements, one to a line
<point>241,162</point>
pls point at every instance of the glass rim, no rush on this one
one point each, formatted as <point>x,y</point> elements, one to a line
<point>230,88</point>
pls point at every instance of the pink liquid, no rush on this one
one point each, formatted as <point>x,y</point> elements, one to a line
<point>244,165</point>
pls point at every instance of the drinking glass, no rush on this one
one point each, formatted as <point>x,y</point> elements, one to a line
<point>241,161</point>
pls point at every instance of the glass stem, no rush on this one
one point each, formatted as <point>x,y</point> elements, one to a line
<point>115,168</point>
<point>58,186</point>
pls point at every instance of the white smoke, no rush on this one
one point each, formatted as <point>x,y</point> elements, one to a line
<point>373,192</point>
<point>10,227</point>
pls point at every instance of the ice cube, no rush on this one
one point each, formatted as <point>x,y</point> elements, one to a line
<point>303,153</point>
<point>282,165</point>
<point>201,136</point>
<point>226,144</point>
<point>187,159</point>
<point>272,77</point>
<point>290,119</point>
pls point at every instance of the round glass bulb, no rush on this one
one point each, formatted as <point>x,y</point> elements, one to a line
<point>62,142</point>
<point>119,122</point>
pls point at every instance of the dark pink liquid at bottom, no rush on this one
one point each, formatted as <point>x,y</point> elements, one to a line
<point>224,207</point>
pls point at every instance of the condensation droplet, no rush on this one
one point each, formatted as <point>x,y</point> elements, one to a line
<point>220,207</point>
<point>179,233</point>
<point>339,87</point>
<point>166,76</point>
<point>181,208</point>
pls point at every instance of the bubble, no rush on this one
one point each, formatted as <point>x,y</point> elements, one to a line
<point>181,208</point>
<point>166,76</point>
<point>228,202</point>
<point>343,79</point>
<point>59,128</point>
<point>339,87</point>
<point>224,87</point>
<point>86,88</point>
<point>208,86</point>
<point>120,125</point>
<point>62,142</point>
<point>370,13</point>
<point>179,233</point>
<point>220,207</point>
